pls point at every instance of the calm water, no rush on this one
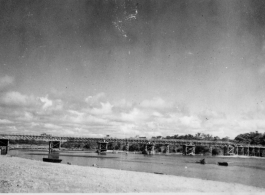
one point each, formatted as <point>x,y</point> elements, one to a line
<point>248,171</point>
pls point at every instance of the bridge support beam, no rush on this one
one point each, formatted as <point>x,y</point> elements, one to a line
<point>229,150</point>
<point>251,151</point>
<point>188,150</point>
<point>236,150</point>
<point>210,150</point>
<point>240,150</point>
<point>257,151</point>
<point>4,146</point>
<point>102,147</point>
<point>127,147</point>
<point>262,152</point>
<point>167,148</point>
<point>246,151</point>
<point>150,148</point>
<point>54,145</point>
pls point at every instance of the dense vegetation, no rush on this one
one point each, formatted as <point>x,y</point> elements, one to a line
<point>254,138</point>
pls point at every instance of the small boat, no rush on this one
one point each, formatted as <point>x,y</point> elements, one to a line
<point>53,160</point>
<point>203,161</point>
<point>158,173</point>
<point>223,163</point>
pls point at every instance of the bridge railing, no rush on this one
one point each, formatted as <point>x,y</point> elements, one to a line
<point>128,140</point>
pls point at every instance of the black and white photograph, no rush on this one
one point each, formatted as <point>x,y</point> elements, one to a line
<point>132,96</point>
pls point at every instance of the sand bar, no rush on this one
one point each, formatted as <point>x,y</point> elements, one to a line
<point>20,175</point>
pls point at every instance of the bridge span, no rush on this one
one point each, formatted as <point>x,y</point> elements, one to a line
<point>188,146</point>
<point>122,140</point>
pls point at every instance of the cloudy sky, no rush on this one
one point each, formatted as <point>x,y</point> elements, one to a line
<point>127,68</point>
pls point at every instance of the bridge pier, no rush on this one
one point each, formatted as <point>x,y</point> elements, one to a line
<point>246,151</point>
<point>127,146</point>
<point>257,151</point>
<point>262,152</point>
<point>188,149</point>
<point>53,145</point>
<point>251,151</point>
<point>229,150</point>
<point>150,148</point>
<point>236,150</point>
<point>102,147</point>
<point>240,150</point>
<point>167,148</point>
<point>4,144</point>
<point>210,150</point>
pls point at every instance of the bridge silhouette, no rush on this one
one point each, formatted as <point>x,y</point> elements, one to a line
<point>228,147</point>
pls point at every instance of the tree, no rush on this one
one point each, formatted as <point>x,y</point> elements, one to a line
<point>198,136</point>
<point>254,138</point>
<point>216,138</point>
<point>225,139</point>
<point>207,137</point>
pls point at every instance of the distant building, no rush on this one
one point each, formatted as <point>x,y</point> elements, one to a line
<point>159,137</point>
<point>142,137</point>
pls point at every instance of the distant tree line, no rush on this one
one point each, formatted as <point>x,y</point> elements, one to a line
<point>198,136</point>
<point>253,138</point>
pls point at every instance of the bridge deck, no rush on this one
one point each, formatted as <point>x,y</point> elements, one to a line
<point>131,140</point>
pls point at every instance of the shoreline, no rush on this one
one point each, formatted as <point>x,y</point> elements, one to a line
<point>24,175</point>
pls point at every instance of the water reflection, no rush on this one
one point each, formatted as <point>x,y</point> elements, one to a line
<point>54,155</point>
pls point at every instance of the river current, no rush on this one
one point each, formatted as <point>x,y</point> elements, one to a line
<point>247,171</point>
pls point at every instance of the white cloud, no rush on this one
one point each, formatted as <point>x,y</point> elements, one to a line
<point>51,126</point>
<point>5,121</point>
<point>95,100</point>
<point>123,104</point>
<point>190,121</point>
<point>26,117</point>
<point>83,118</point>
<point>134,116</point>
<point>153,117</point>
<point>157,114</point>
<point>152,125</point>
<point>16,98</point>
<point>129,129</point>
<point>50,105</point>
<point>106,108</point>
<point>46,101</point>
<point>156,103</point>
<point>33,124</point>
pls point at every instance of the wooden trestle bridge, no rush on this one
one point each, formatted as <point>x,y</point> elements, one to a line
<point>188,146</point>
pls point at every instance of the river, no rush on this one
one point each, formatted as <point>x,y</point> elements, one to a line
<point>248,171</point>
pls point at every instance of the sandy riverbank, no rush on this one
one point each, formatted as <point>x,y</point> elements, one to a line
<point>23,175</point>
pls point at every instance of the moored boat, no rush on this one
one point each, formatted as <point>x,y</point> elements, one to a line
<point>223,163</point>
<point>53,160</point>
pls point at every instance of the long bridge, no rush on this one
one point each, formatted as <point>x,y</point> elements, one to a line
<point>228,148</point>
